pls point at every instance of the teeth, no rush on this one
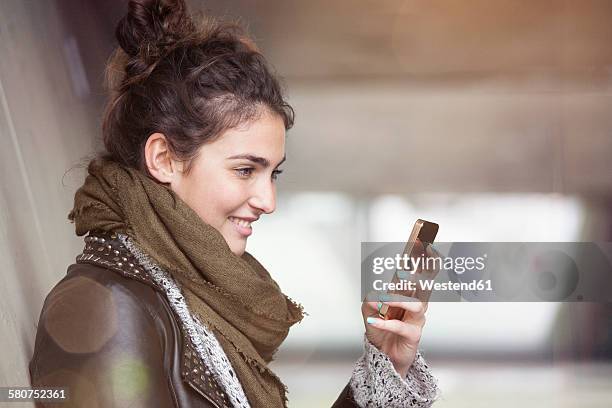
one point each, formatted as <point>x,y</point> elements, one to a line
<point>242,223</point>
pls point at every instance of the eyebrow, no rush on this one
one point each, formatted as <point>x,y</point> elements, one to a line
<point>256,159</point>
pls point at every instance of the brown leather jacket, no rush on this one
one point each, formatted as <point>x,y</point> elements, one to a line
<point>109,335</point>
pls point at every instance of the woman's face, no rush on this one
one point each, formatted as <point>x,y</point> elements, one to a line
<point>232,180</point>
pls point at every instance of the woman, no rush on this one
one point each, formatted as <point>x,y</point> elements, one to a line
<point>164,308</point>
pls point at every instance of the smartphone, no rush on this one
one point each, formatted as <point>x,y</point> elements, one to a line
<point>423,233</point>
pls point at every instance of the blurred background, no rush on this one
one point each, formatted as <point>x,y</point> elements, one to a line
<point>491,118</point>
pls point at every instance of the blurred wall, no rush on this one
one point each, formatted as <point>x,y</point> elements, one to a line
<point>48,121</point>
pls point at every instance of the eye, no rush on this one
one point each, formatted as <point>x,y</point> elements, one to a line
<point>245,171</point>
<point>275,174</point>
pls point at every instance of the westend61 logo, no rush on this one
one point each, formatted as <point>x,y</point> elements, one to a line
<point>490,271</point>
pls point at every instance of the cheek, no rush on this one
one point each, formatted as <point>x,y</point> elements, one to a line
<point>226,204</point>
<point>216,200</point>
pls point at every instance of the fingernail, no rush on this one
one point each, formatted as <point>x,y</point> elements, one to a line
<point>379,306</point>
<point>384,297</point>
<point>371,320</point>
<point>402,274</point>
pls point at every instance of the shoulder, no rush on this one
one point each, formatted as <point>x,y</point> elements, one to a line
<point>111,315</point>
<point>92,304</point>
<point>100,302</point>
<point>96,327</point>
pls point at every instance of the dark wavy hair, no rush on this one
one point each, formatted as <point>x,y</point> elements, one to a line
<point>188,78</point>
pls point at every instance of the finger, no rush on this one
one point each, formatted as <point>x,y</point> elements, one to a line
<point>410,332</point>
<point>415,307</point>
<point>375,307</point>
<point>433,265</point>
<point>373,299</point>
<point>432,252</point>
<point>372,296</point>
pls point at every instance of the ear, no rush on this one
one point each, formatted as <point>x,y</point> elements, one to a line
<point>160,160</point>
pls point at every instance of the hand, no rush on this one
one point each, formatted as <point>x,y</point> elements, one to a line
<point>399,339</point>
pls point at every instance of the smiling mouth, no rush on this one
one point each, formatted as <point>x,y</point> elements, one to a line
<point>242,226</point>
<point>240,221</point>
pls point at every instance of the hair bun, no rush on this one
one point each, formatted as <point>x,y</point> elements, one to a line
<point>151,26</point>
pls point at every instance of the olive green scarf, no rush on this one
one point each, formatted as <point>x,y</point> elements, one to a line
<point>234,296</point>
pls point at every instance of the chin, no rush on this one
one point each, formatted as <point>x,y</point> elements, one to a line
<point>239,251</point>
<point>237,248</point>
<point>236,245</point>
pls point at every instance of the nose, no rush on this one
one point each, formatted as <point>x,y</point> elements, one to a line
<point>264,197</point>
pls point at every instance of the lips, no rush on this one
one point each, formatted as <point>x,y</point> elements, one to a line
<point>242,225</point>
<point>240,221</point>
